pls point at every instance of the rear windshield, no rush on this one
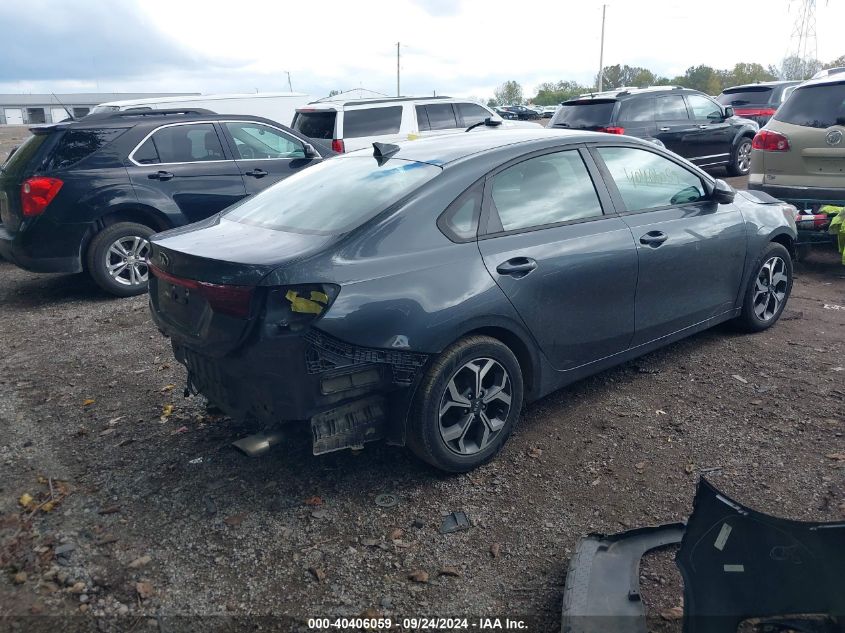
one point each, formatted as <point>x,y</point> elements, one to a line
<point>78,144</point>
<point>373,121</point>
<point>18,161</point>
<point>334,196</point>
<point>581,114</point>
<point>315,124</point>
<point>746,96</point>
<point>815,106</point>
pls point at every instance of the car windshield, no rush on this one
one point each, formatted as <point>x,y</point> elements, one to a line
<point>583,114</point>
<point>745,96</point>
<point>818,106</point>
<point>333,197</point>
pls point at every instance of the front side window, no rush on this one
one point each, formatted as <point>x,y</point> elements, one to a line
<point>372,121</point>
<point>181,144</point>
<point>548,189</point>
<point>254,140</point>
<point>441,116</point>
<point>646,180</point>
<point>704,108</point>
<point>472,113</point>
<point>671,108</point>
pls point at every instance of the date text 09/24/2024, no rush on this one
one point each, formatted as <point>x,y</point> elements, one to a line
<point>418,624</point>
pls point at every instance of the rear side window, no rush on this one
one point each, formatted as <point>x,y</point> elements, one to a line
<point>671,108</point>
<point>584,114</point>
<point>755,95</point>
<point>637,110</point>
<point>460,220</point>
<point>315,124</point>
<point>471,113</point>
<point>441,116</point>
<point>372,121</point>
<point>544,190</point>
<point>180,144</point>
<point>17,163</point>
<point>646,180</point>
<point>819,106</point>
<point>78,144</point>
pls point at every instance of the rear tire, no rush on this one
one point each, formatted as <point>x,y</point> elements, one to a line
<point>116,258</point>
<point>741,158</point>
<point>767,290</point>
<point>466,405</point>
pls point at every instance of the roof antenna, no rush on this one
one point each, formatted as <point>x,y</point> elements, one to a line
<point>383,151</point>
<point>69,113</point>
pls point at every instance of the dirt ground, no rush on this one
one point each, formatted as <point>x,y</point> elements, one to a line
<point>154,514</point>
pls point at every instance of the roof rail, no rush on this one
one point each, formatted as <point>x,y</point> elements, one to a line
<point>147,112</point>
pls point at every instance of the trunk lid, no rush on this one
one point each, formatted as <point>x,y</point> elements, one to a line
<point>19,165</point>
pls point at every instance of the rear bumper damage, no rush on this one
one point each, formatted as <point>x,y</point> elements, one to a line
<point>736,564</point>
<point>349,395</point>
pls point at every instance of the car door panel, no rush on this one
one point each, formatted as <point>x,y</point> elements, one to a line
<point>710,139</point>
<point>673,124</point>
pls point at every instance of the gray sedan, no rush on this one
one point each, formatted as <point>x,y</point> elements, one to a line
<point>421,293</point>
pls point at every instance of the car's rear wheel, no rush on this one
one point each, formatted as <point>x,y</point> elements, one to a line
<point>741,159</point>
<point>117,258</point>
<point>466,405</point>
<point>768,289</point>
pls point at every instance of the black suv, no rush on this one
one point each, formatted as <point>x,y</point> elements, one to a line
<point>522,113</point>
<point>87,194</point>
<point>688,122</point>
<point>759,101</point>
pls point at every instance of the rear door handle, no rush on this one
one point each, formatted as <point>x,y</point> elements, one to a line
<point>257,173</point>
<point>517,267</point>
<point>654,238</point>
<point>703,127</point>
<point>160,175</point>
<point>665,129</point>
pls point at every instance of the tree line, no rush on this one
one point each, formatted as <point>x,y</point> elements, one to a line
<point>704,78</point>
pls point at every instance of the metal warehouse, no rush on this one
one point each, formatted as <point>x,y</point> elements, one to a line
<point>32,109</point>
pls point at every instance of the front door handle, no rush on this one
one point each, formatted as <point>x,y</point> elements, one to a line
<point>517,267</point>
<point>654,238</point>
<point>257,173</point>
<point>160,175</point>
<point>703,127</point>
<point>665,129</point>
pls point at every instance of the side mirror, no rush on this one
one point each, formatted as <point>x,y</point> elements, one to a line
<point>729,112</point>
<point>309,150</point>
<point>722,192</point>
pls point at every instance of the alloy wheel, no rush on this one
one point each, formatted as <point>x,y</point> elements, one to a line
<point>475,406</point>
<point>743,157</point>
<point>770,288</point>
<point>126,260</point>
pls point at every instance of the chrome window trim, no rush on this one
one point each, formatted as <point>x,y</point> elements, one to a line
<point>284,133</point>
<point>190,162</point>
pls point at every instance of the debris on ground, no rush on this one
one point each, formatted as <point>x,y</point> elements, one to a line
<point>386,500</point>
<point>454,522</point>
<point>418,576</point>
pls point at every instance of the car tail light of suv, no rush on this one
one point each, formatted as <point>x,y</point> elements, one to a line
<point>338,146</point>
<point>612,129</point>
<point>769,141</point>
<point>37,193</point>
<point>751,112</point>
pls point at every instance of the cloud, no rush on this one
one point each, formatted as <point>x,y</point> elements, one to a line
<point>82,40</point>
<point>439,8</point>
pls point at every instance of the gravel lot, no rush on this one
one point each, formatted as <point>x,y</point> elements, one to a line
<point>155,514</point>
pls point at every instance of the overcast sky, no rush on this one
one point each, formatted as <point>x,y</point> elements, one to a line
<point>453,47</point>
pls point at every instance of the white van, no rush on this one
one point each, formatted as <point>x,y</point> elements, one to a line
<point>276,106</point>
<point>351,124</point>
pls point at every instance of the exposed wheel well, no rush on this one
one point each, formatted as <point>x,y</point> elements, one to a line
<point>141,216</point>
<point>518,347</point>
<point>787,242</point>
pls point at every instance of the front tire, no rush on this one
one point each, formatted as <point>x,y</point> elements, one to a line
<point>741,159</point>
<point>117,258</point>
<point>768,289</point>
<point>466,405</point>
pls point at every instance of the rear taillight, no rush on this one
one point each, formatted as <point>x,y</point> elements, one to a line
<point>338,146</point>
<point>769,141</point>
<point>226,299</point>
<point>612,129</point>
<point>37,193</point>
<point>754,111</point>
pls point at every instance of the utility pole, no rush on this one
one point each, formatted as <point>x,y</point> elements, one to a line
<point>290,87</point>
<point>601,51</point>
<point>397,69</point>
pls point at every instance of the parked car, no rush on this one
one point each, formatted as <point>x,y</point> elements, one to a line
<point>506,114</point>
<point>549,111</point>
<point>358,123</point>
<point>800,155</point>
<point>276,106</point>
<point>423,291</point>
<point>829,71</point>
<point>523,112</point>
<point>87,195</point>
<point>688,122</point>
<point>759,101</point>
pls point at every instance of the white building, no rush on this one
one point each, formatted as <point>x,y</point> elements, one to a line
<point>32,109</point>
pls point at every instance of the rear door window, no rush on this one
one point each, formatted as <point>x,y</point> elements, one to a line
<point>584,114</point>
<point>372,121</point>
<point>78,144</point>
<point>670,108</point>
<point>181,144</point>
<point>319,124</point>
<point>819,106</point>
<point>441,116</point>
<point>422,119</point>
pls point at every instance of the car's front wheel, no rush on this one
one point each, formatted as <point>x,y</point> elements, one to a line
<point>466,405</point>
<point>768,289</point>
<point>117,258</point>
<point>741,159</point>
